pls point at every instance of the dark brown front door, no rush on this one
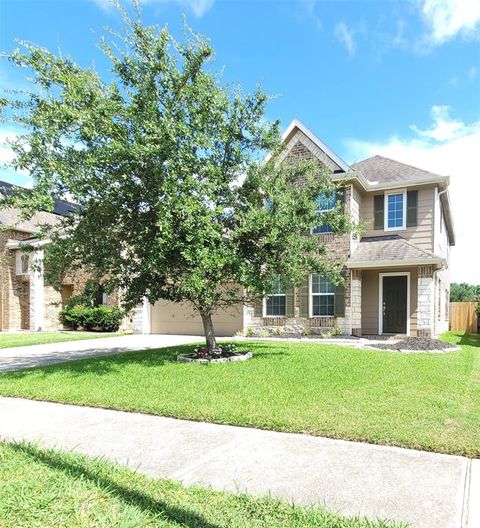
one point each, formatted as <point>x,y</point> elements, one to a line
<point>395,304</point>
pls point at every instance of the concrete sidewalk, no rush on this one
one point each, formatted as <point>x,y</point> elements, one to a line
<point>428,490</point>
<point>39,355</point>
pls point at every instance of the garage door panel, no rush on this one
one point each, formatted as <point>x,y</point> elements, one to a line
<point>176,318</point>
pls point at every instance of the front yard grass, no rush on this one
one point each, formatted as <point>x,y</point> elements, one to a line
<point>8,340</point>
<point>422,401</point>
<point>40,488</point>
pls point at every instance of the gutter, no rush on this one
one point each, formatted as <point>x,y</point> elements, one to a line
<point>437,261</point>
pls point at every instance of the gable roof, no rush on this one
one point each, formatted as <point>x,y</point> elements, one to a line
<point>379,170</point>
<point>297,125</point>
<point>390,250</point>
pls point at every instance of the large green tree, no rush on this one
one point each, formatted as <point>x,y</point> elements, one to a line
<point>167,163</point>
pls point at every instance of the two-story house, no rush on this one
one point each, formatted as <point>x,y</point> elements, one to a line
<point>396,273</point>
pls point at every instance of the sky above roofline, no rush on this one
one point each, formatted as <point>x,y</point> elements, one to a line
<point>398,79</point>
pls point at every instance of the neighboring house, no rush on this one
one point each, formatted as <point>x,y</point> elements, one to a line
<point>396,274</point>
<point>27,302</point>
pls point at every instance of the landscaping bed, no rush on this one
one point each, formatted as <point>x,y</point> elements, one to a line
<point>416,344</point>
<point>222,354</point>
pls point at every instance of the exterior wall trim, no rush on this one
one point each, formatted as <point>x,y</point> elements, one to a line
<point>380,297</point>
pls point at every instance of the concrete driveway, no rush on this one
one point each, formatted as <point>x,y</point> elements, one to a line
<point>39,355</point>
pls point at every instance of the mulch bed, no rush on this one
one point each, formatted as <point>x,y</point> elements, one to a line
<point>423,344</point>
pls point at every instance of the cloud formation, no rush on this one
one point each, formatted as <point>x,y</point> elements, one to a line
<point>345,36</point>
<point>445,19</point>
<point>449,146</point>
<point>198,7</point>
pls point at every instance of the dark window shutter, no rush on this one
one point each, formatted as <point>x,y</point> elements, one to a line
<point>340,299</point>
<point>378,211</point>
<point>289,302</point>
<point>304,298</point>
<point>258,308</point>
<point>340,198</point>
<point>412,208</point>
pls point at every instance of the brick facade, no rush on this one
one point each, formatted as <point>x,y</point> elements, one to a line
<point>337,251</point>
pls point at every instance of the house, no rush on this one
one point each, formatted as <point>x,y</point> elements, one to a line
<point>396,274</point>
<point>27,302</point>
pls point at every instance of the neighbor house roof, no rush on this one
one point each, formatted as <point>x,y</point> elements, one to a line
<point>11,216</point>
<point>61,207</point>
<point>378,170</point>
<point>389,250</point>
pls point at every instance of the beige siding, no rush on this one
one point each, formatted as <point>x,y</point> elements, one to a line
<point>422,234</point>
<point>370,291</point>
<point>173,318</point>
<point>355,201</point>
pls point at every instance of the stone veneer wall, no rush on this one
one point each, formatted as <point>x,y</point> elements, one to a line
<point>425,303</point>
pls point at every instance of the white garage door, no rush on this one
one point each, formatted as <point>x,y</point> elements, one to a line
<point>174,318</point>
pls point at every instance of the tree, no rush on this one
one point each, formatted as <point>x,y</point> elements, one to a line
<point>464,292</point>
<point>167,164</point>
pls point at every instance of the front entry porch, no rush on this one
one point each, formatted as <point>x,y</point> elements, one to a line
<point>393,301</point>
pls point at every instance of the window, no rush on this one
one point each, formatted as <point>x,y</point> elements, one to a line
<point>22,263</point>
<point>323,297</point>
<point>395,211</point>
<point>325,202</point>
<point>275,304</point>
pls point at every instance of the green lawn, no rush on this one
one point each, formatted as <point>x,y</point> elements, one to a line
<point>8,340</point>
<point>42,488</point>
<point>423,401</point>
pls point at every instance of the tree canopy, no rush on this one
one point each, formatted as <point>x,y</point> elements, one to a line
<point>167,163</point>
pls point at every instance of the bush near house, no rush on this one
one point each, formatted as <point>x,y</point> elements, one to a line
<point>96,318</point>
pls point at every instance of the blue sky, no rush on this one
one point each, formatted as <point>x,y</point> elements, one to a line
<point>397,78</point>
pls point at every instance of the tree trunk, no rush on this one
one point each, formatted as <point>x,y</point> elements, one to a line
<point>209,331</point>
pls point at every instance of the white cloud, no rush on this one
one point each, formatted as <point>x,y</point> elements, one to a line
<point>444,128</point>
<point>458,157</point>
<point>345,36</point>
<point>446,19</point>
<point>6,156</point>
<point>310,8</point>
<point>198,7</point>
<point>472,73</point>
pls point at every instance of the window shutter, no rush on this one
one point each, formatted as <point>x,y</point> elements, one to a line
<point>412,208</point>
<point>340,299</point>
<point>340,198</point>
<point>378,211</point>
<point>304,298</point>
<point>258,308</point>
<point>289,302</point>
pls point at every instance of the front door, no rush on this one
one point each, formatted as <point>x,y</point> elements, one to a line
<point>394,304</point>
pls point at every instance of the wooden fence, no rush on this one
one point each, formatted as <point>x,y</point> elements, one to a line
<point>463,317</point>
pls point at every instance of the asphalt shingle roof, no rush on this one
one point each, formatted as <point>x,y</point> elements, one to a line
<point>385,170</point>
<point>388,248</point>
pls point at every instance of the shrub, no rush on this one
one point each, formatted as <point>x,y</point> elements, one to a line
<point>249,332</point>
<point>264,333</point>
<point>99,318</point>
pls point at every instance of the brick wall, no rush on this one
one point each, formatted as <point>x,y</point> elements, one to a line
<point>337,251</point>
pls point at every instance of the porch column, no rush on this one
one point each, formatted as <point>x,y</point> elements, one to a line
<point>141,318</point>
<point>425,306</point>
<point>356,302</point>
<point>37,308</point>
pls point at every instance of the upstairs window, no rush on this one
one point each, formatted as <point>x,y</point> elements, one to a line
<point>325,202</point>
<point>395,211</point>
<point>323,297</point>
<point>276,302</point>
